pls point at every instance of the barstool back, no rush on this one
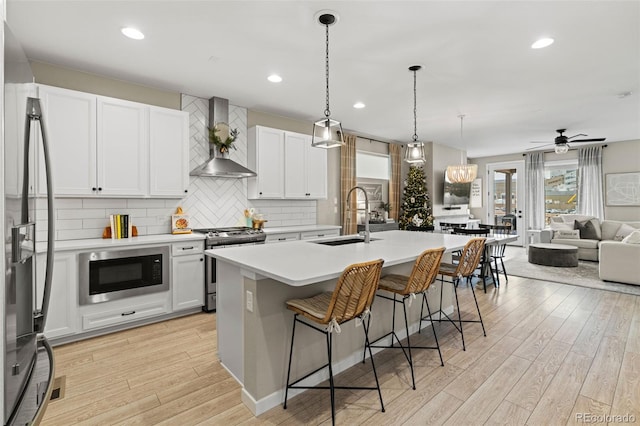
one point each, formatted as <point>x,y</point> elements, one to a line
<point>470,257</point>
<point>424,272</point>
<point>354,291</point>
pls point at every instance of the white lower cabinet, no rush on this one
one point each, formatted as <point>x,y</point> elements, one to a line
<point>63,301</point>
<point>123,311</point>
<point>312,235</point>
<point>188,281</point>
<point>281,238</point>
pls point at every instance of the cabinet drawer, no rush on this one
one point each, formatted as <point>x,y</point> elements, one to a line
<point>319,234</point>
<point>123,315</point>
<point>187,247</point>
<point>281,238</point>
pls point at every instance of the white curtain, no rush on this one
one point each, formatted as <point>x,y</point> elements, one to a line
<point>590,197</point>
<point>534,183</point>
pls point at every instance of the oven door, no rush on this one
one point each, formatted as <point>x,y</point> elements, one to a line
<point>211,278</point>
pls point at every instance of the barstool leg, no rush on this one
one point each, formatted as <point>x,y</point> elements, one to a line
<point>393,320</point>
<point>331,384</point>
<point>433,327</point>
<point>406,327</point>
<point>293,334</point>
<point>373,366</point>
<point>455,292</point>
<point>504,270</point>
<point>479,315</point>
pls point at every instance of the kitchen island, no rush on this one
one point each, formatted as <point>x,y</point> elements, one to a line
<point>254,326</point>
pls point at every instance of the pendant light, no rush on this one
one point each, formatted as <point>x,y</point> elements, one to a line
<point>327,132</point>
<point>462,173</point>
<point>414,153</point>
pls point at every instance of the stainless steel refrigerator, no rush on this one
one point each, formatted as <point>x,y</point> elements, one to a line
<point>28,359</point>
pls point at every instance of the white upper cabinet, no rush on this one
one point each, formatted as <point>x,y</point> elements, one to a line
<point>70,123</point>
<point>266,158</point>
<point>295,170</point>
<point>123,147</point>
<point>305,173</point>
<point>168,155</point>
<point>102,146</point>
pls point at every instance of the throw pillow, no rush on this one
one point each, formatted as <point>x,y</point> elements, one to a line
<point>588,230</point>
<point>573,234</point>
<point>623,231</point>
<point>560,226</point>
<point>632,238</point>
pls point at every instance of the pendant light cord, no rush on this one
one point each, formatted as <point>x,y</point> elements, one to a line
<point>415,114</point>
<point>461,138</point>
<point>327,112</point>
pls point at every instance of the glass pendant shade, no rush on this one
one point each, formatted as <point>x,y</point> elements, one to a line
<point>414,153</point>
<point>327,133</point>
<point>561,148</point>
<point>462,173</point>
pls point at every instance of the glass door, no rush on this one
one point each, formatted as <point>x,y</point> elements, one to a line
<point>506,197</point>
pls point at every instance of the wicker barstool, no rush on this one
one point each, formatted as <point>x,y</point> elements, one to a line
<point>352,298</point>
<point>422,276</point>
<point>469,260</point>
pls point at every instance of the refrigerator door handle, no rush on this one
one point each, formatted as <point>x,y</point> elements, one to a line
<point>34,113</point>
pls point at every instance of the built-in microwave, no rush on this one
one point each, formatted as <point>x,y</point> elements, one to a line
<point>117,274</point>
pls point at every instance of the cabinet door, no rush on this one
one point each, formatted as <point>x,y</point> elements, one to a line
<point>295,176</point>
<point>70,119</point>
<point>122,147</point>
<point>316,172</point>
<point>188,281</point>
<point>168,152</point>
<point>270,159</point>
<point>62,316</point>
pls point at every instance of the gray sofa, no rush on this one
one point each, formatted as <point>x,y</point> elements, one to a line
<point>619,261</point>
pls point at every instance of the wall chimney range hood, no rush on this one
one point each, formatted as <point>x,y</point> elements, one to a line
<point>219,165</point>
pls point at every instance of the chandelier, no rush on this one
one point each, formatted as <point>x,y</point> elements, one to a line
<point>415,150</point>
<point>327,132</point>
<point>462,173</point>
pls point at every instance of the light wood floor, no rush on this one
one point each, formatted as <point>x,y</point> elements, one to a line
<point>552,351</point>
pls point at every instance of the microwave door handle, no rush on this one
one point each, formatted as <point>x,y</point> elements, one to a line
<point>34,112</point>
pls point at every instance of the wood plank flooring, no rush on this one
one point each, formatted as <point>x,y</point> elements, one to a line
<point>553,353</point>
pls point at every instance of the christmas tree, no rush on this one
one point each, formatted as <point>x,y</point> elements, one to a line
<point>416,205</point>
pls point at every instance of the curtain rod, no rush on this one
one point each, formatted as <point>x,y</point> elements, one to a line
<point>570,149</point>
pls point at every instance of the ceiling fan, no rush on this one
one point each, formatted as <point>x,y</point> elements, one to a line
<point>562,142</point>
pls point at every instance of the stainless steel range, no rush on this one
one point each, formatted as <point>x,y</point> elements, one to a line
<point>218,238</point>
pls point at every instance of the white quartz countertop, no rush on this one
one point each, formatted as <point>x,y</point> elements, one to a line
<point>300,263</point>
<point>108,243</point>
<point>299,228</point>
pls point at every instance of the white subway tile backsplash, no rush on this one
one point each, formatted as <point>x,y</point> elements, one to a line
<point>81,213</point>
<point>66,203</point>
<point>146,204</point>
<point>107,203</point>
<point>79,234</point>
<point>130,212</point>
<point>73,223</point>
<point>91,223</point>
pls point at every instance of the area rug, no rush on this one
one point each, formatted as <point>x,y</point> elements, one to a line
<point>584,275</point>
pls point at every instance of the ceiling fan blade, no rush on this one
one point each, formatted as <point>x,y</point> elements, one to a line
<point>589,140</point>
<point>575,136</point>
<point>538,147</point>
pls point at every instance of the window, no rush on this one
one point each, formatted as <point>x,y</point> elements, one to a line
<point>560,188</point>
<point>372,166</point>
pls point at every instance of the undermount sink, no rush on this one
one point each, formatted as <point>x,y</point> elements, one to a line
<point>342,241</point>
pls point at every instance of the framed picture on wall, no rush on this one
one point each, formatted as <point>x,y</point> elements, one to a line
<point>475,198</point>
<point>622,189</point>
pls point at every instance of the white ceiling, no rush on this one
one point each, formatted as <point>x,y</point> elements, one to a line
<point>476,56</point>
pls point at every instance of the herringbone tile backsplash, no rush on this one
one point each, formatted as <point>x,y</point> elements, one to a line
<point>211,201</point>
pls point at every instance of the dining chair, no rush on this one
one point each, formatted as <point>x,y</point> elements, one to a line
<point>326,312</point>
<point>448,226</point>
<point>470,258</point>
<point>404,290</point>
<point>496,250</point>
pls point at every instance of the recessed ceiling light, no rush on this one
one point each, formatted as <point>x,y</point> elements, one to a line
<point>132,33</point>
<point>274,78</point>
<point>359,105</point>
<point>543,42</point>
